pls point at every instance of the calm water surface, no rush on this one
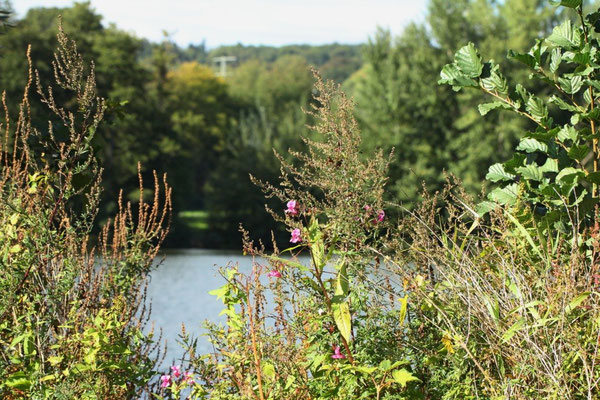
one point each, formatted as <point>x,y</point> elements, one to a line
<point>179,289</point>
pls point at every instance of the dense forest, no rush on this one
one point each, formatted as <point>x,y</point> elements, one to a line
<point>169,109</point>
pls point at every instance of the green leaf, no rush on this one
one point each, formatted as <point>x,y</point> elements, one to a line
<point>505,195</point>
<point>531,172</point>
<point>567,133</point>
<point>566,3</point>
<point>578,152</point>
<point>287,262</point>
<point>385,365</point>
<point>532,145</point>
<point>468,61</point>
<point>517,326</point>
<point>537,108</point>
<point>495,82</point>
<point>487,107</point>
<point>343,321</point>
<point>289,382</point>
<point>565,35</point>
<point>403,308</point>
<point>18,380</point>
<point>593,177</point>
<point>452,76</point>
<point>402,377</point>
<point>525,58</point>
<point>268,369</point>
<point>497,173</point>
<point>572,85</point>
<point>563,105</point>
<point>551,165</point>
<point>576,302</point>
<point>485,207</point>
<point>317,245</point>
<point>555,60</point>
<point>342,287</point>
<point>594,20</point>
<point>365,370</point>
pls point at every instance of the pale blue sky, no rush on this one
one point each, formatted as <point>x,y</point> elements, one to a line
<point>270,22</point>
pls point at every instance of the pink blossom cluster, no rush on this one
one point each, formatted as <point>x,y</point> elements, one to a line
<point>380,214</point>
<point>296,236</point>
<point>337,354</point>
<point>292,207</point>
<point>166,380</point>
<point>274,274</point>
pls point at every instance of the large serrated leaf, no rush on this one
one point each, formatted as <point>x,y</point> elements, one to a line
<point>551,165</point>
<point>531,172</point>
<point>565,35</point>
<point>532,145</point>
<point>567,133</point>
<point>451,75</point>
<point>563,105</point>
<point>525,58</point>
<point>505,195</point>
<point>495,82</point>
<point>571,85</point>
<point>578,152</point>
<point>555,60</point>
<point>468,61</point>
<point>497,173</point>
<point>487,107</point>
<point>537,108</point>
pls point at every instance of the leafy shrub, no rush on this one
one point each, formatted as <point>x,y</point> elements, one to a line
<point>70,316</point>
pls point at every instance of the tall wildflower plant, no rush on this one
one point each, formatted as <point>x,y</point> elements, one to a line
<point>71,314</point>
<point>316,320</point>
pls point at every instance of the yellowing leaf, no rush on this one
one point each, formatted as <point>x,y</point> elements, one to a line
<point>341,315</point>
<point>403,308</point>
<point>447,342</point>
<point>403,376</point>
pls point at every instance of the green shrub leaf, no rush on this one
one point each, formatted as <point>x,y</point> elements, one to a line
<point>468,61</point>
<point>566,36</point>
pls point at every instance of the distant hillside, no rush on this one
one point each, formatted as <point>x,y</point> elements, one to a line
<point>334,61</point>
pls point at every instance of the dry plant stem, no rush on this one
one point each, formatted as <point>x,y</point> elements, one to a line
<point>254,345</point>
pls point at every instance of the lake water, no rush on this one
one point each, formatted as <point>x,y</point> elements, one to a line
<point>178,290</point>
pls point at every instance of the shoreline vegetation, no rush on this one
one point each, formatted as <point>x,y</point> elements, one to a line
<point>436,295</point>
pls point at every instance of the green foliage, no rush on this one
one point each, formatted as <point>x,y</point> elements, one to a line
<point>400,105</point>
<point>556,179</point>
<point>70,321</point>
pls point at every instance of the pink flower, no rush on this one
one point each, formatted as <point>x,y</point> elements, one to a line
<point>165,381</point>
<point>274,274</point>
<point>292,207</point>
<point>188,378</point>
<point>296,236</point>
<point>176,371</point>
<point>336,353</point>
<point>380,216</point>
<point>367,207</point>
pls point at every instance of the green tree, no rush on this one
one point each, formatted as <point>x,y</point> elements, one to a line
<point>400,105</point>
